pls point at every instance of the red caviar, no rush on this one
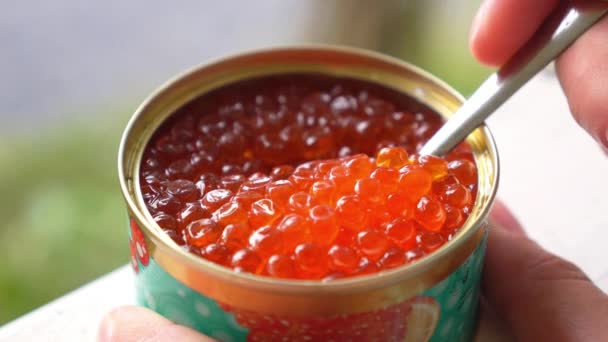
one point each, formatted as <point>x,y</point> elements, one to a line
<point>230,177</point>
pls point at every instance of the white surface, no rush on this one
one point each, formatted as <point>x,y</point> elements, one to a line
<point>553,177</point>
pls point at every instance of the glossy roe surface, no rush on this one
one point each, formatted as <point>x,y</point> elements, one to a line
<point>306,177</point>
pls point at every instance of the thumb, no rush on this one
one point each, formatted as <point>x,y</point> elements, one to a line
<point>540,296</point>
<point>134,323</point>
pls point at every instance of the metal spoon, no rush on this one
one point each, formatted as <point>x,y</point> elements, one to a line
<point>561,28</point>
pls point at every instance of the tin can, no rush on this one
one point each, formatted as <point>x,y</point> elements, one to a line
<point>434,298</point>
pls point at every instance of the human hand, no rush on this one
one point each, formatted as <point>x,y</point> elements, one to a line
<point>135,323</point>
<point>540,296</point>
<point>501,27</point>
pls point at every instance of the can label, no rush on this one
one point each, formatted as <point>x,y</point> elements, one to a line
<point>445,312</point>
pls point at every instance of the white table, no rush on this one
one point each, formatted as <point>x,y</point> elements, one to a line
<point>553,177</point>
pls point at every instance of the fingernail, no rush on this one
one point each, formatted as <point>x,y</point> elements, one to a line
<point>106,329</point>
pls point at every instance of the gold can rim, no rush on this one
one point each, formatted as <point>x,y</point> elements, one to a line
<point>166,247</point>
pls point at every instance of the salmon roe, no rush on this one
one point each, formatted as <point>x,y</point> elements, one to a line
<point>305,177</point>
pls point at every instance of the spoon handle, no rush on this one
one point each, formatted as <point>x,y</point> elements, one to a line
<point>560,29</point>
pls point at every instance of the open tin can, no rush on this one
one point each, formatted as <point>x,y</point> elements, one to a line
<point>434,298</point>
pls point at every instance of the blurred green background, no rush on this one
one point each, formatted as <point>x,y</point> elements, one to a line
<point>69,93</point>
